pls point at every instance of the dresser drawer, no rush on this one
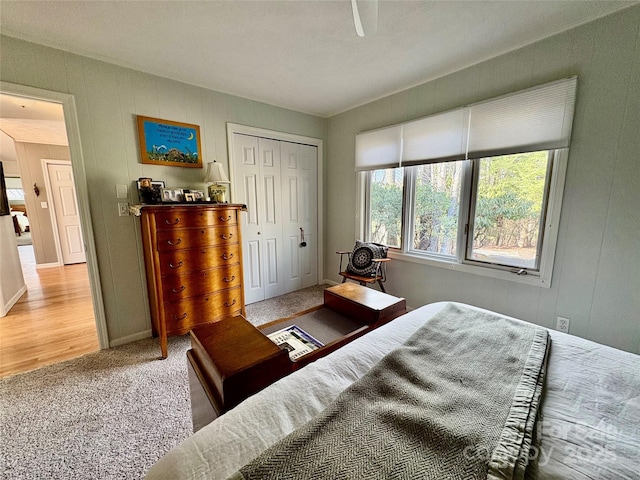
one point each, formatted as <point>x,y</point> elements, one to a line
<point>177,287</point>
<point>184,314</point>
<point>196,259</point>
<point>178,218</point>
<point>196,237</point>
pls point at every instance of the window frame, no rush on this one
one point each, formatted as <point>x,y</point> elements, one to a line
<point>548,237</point>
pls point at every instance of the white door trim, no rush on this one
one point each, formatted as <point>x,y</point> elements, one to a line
<point>80,179</point>
<point>233,128</point>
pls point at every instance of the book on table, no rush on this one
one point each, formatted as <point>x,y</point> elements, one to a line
<point>295,340</point>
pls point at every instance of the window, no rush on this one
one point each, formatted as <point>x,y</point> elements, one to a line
<point>509,206</point>
<point>478,188</point>
<point>494,220</point>
<point>385,223</point>
<point>436,206</point>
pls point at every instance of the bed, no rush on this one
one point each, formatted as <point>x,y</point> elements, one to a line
<point>588,420</point>
<point>21,219</point>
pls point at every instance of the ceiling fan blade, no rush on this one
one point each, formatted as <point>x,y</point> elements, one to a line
<point>365,16</point>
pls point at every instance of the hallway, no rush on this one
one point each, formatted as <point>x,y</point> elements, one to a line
<point>52,322</point>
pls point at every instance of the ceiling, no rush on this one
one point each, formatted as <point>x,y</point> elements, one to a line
<point>302,55</point>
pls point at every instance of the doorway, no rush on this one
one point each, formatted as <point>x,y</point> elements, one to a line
<point>85,274</point>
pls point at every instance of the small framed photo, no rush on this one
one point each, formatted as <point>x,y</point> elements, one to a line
<point>150,191</point>
<point>189,197</point>
<point>172,195</point>
<point>198,195</point>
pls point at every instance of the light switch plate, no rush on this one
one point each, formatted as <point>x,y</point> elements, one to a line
<point>122,191</point>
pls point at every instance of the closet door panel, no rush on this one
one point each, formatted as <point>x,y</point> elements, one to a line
<point>271,227</point>
<point>248,192</point>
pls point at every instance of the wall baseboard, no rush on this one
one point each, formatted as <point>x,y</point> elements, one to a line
<point>130,338</point>
<point>49,265</point>
<point>4,309</point>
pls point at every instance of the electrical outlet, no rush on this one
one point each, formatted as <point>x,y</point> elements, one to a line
<point>123,209</point>
<point>562,325</point>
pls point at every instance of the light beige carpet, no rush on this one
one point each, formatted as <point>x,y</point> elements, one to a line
<point>110,414</point>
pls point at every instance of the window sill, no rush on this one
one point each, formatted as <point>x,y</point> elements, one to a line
<point>534,280</point>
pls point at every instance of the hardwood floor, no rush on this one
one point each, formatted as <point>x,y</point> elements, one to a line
<point>52,322</point>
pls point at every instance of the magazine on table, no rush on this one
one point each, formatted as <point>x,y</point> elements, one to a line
<point>295,340</point>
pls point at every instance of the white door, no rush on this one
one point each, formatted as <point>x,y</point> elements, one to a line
<point>67,217</point>
<point>257,185</point>
<point>300,215</point>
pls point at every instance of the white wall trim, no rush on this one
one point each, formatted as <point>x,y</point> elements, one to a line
<point>233,128</point>
<point>48,265</point>
<point>80,179</point>
<point>130,338</point>
<point>4,309</point>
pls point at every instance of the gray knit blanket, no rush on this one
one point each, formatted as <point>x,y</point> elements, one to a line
<point>458,400</point>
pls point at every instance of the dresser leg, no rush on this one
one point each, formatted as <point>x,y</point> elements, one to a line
<point>163,346</point>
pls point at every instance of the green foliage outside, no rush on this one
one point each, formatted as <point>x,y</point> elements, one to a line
<point>386,207</point>
<point>510,193</point>
<point>508,210</point>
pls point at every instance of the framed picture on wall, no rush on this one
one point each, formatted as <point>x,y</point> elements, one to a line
<point>168,143</point>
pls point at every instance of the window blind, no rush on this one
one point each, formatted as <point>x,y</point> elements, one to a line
<point>539,118</point>
<point>536,119</point>
<point>436,138</point>
<point>379,149</point>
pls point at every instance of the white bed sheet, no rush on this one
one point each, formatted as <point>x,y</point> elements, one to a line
<point>590,421</point>
<point>23,220</point>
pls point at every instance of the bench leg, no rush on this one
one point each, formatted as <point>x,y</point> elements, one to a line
<point>344,279</point>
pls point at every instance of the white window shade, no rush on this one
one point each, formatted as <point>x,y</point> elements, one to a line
<point>379,149</point>
<point>437,138</point>
<point>535,119</point>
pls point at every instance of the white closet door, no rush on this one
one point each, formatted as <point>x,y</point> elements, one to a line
<point>257,185</point>
<point>271,224</point>
<point>299,212</point>
<point>308,175</point>
<point>278,183</point>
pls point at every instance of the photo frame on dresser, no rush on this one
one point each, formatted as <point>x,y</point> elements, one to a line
<point>172,195</point>
<point>149,191</point>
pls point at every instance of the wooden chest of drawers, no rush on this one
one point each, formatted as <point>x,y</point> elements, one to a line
<point>193,258</point>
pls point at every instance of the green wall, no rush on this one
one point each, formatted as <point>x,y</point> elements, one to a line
<point>108,98</point>
<point>596,279</point>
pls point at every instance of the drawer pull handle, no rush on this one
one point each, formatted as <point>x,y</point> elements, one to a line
<point>181,317</point>
<point>227,304</point>
<point>226,236</point>
<point>222,219</point>
<point>233,277</point>
<point>227,256</point>
<point>175,222</point>
<point>171,265</point>
<point>173,244</point>
<point>178,290</point>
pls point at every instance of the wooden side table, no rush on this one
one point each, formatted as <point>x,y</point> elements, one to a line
<point>231,359</point>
